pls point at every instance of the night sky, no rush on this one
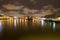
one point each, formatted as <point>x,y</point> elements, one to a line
<point>32,4</point>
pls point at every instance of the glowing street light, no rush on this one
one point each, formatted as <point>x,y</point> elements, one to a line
<point>58,18</point>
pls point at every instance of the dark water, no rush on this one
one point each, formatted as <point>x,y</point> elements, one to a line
<point>22,29</point>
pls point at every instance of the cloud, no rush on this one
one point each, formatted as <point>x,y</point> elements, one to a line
<point>27,10</point>
<point>32,4</point>
<point>45,10</point>
<point>20,7</point>
<point>12,7</point>
<point>31,7</point>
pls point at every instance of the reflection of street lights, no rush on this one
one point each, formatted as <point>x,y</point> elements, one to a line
<point>54,26</point>
<point>42,21</point>
<point>15,21</point>
<point>0,26</point>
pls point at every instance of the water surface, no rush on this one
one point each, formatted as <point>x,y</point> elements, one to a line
<point>22,29</point>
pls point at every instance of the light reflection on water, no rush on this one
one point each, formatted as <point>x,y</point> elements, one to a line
<point>0,26</point>
<point>15,23</point>
<point>54,25</point>
<point>14,28</point>
<point>42,22</point>
<point>23,24</point>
